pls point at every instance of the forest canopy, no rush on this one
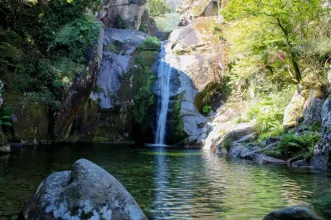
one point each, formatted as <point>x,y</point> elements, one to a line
<point>283,40</point>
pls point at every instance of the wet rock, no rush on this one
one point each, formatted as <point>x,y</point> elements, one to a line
<point>235,150</point>
<point>85,192</point>
<point>263,159</point>
<point>300,163</point>
<point>298,212</point>
<point>234,134</point>
<point>115,65</point>
<point>320,159</point>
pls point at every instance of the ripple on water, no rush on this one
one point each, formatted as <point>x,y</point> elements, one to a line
<point>168,183</point>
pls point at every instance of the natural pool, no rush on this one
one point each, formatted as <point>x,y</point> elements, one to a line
<point>166,183</point>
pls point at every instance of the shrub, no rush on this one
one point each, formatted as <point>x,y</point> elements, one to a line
<point>120,23</point>
<point>150,43</point>
<point>157,7</point>
<point>293,145</point>
<point>113,48</point>
<point>207,109</point>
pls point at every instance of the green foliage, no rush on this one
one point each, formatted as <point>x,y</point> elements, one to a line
<point>157,7</point>
<point>5,118</point>
<point>227,144</point>
<point>206,109</point>
<point>176,122</point>
<point>211,95</point>
<point>151,44</point>
<point>43,46</point>
<point>270,39</point>
<point>180,52</point>
<point>113,48</point>
<point>120,23</point>
<point>267,112</point>
<point>144,98</point>
<point>293,145</point>
<point>75,37</point>
<point>143,102</point>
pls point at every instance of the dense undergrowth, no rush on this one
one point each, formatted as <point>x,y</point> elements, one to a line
<point>275,48</point>
<point>43,45</point>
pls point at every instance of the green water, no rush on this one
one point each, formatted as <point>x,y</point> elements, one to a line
<point>167,184</point>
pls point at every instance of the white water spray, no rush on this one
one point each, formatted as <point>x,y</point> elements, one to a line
<point>164,73</point>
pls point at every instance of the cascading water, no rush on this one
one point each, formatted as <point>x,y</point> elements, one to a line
<point>164,73</point>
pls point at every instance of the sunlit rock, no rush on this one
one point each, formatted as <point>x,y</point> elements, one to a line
<point>85,192</point>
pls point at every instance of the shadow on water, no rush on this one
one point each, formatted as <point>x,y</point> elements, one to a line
<point>167,183</point>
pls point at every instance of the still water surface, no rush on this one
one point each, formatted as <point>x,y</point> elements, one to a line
<point>166,183</point>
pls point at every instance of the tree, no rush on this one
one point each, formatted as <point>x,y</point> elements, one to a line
<point>275,29</point>
<point>157,7</point>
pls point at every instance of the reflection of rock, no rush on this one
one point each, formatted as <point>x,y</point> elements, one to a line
<point>298,212</point>
<point>238,150</point>
<point>130,11</point>
<point>86,192</point>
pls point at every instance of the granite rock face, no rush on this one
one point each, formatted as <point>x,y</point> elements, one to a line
<point>85,192</point>
<point>197,61</point>
<point>130,11</point>
<point>323,148</point>
<point>293,110</point>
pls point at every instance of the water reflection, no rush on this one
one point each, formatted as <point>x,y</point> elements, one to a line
<point>167,183</point>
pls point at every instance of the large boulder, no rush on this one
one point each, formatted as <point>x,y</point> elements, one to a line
<point>323,148</point>
<point>298,212</point>
<point>312,109</point>
<point>128,11</point>
<point>293,110</point>
<point>198,61</point>
<point>85,192</point>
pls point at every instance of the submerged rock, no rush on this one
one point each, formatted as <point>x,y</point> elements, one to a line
<point>86,192</point>
<point>298,212</point>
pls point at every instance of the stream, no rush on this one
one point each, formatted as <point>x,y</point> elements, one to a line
<point>166,183</point>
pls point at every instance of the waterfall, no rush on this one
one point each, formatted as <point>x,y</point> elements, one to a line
<point>164,73</point>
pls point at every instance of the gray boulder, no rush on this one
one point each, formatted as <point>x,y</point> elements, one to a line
<point>322,149</point>
<point>131,11</point>
<point>85,192</point>
<point>298,212</point>
<point>312,109</point>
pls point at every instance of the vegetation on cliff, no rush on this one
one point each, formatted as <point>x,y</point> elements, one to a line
<point>43,45</point>
<point>275,48</point>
